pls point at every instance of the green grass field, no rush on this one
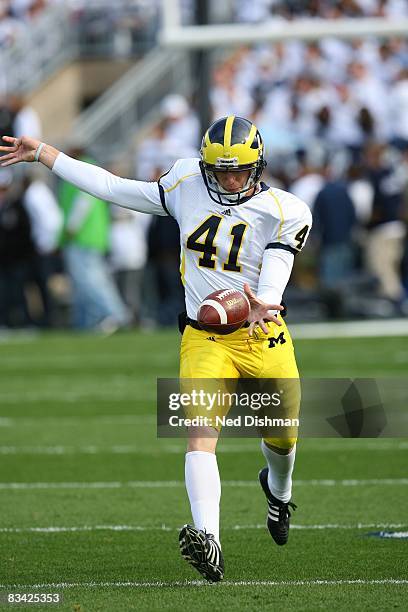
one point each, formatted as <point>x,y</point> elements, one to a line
<point>91,501</point>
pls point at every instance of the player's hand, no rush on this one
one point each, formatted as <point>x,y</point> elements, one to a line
<point>260,311</point>
<point>19,150</point>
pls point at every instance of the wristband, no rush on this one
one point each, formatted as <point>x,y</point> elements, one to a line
<point>38,151</point>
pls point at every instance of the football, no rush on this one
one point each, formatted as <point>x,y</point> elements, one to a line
<point>223,311</point>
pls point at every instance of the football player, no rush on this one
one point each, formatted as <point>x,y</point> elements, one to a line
<point>235,232</point>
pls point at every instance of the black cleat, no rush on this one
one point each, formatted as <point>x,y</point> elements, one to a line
<point>278,517</point>
<point>202,552</point>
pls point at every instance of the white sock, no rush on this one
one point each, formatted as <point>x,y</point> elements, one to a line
<point>204,491</point>
<point>280,472</point>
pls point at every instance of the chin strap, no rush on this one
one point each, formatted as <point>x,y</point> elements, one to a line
<point>242,194</point>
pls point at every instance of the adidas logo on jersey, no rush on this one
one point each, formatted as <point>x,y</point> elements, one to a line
<point>226,212</point>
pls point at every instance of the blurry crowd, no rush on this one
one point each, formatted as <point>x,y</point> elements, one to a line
<point>266,10</point>
<point>133,23</point>
<point>17,117</point>
<point>336,92</point>
<point>124,28</point>
<point>16,17</point>
<point>66,258</point>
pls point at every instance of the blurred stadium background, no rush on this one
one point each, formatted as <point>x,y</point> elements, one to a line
<point>91,500</point>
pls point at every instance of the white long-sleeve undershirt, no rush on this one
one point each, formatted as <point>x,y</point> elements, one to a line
<point>276,269</point>
<point>136,195</point>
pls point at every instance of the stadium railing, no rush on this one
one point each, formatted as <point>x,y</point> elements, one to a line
<point>108,126</point>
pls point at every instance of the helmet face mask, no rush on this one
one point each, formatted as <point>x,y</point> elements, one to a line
<point>218,191</point>
<point>231,144</point>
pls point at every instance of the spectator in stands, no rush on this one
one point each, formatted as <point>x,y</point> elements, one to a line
<point>344,129</point>
<point>404,263</point>
<point>164,253</point>
<point>96,301</point>
<point>128,256</point>
<point>371,94</point>
<point>385,242</point>
<point>227,97</point>
<point>361,192</point>
<point>399,103</point>
<point>253,12</point>
<point>19,8</point>
<point>309,179</point>
<point>46,225</point>
<point>3,79</point>
<point>26,119</point>
<point>159,151</point>
<point>6,118</point>
<point>334,222</point>
<point>180,121</point>
<point>10,27</point>
<point>16,253</point>
<point>25,10</point>
<point>36,7</point>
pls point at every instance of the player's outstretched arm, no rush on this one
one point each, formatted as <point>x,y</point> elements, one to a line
<point>260,311</point>
<point>25,149</point>
<point>137,195</point>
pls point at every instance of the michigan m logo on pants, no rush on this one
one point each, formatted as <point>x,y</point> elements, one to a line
<point>278,340</point>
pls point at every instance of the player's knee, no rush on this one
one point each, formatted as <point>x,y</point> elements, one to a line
<point>282,446</point>
<point>202,439</point>
<point>201,444</point>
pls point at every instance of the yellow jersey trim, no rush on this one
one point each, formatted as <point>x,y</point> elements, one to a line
<point>183,178</point>
<point>282,218</point>
<point>183,268</point>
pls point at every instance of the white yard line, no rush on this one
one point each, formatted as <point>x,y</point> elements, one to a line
<point>172,484</point>
<point>71,397</point>
<point>85,528</point>
<point>202,583</point>
<point>130,449</point>
<point>82,421</point>
<point>18,337</point>
<point>350,329</point>
<point>373,328</point>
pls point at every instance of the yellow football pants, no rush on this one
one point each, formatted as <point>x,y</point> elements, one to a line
<point>205,355</point>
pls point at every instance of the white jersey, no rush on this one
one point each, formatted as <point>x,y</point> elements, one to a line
<point>222,246</point>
